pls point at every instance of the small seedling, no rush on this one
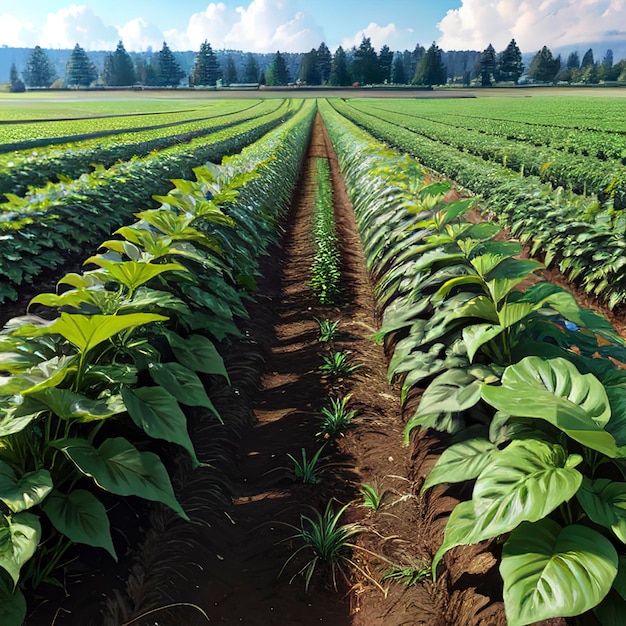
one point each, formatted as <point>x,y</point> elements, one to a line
<point>307,470</point>
<point>408,575</point>
<point>327,330</point>
<point>338,363</point>
<point>337,418</point>
<point>372,497</point>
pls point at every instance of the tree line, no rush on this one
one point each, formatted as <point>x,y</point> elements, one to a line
<point>361,65</point>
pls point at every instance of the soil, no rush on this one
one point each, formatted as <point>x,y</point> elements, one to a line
<point>237,569</point>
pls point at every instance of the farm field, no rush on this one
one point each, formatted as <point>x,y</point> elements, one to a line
<point>336,386</point>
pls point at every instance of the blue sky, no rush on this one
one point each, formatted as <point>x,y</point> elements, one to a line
<point>298,25</point>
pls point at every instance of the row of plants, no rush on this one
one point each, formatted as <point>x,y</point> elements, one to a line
<point>528,386</point>
<point>90,392</point>
<point>581,174</point>
<point>325,269</point>
<point>601,144</point>
<point>581,236</point>
<point>40,230</point>
<point>32,168</point>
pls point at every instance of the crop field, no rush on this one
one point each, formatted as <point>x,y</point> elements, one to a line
<point>325,357</point>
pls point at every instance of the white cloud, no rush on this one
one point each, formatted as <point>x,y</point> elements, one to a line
<point>141,35</point>
<point>77,24</point>
<point>14,33</point>
<point>396,38</point>
<point>533,23</point>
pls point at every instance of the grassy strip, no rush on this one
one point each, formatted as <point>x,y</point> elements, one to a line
<point>325,271</point>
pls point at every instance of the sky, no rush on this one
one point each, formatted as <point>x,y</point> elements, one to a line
<point>299,25</point>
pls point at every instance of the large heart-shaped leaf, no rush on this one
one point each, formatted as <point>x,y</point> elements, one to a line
<point>157,412</point>
<point>87,331</point>
<point>18,412</point>
<point>12,603</point>
<point>460,462</point>
<point>554,390</point>
<point>455,390</point>
<point>120,468</point>
<point>198,354</point>
<point>604,501</point>
<point>25,492</point>
<point>69,405</point>
<point>19,538</point>
<point>549,571</point>
<point>182,383</point>
<point>81,517</point>
<point>133,274</point>
<point>42,376</point>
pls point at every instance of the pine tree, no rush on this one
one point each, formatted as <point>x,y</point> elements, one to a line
<point>167,68</point>
<point>430,70</point>
<point>16,84</point>
<point>309,69</point>
<point>39,71</point>
<point>414,58</point>
<point>385,61</point>
<point>324,63</point>
<point>544,67</point>
<point>251,72</point>
<point>573,62</point>
<point>230,71</point>
<point>339,74</point>
<point>365,64</point>
<point>510,66</point>
<point>487,66</point>
<point>119,70</point>
<point>277,72</point>
<point>587,59</point>
<point>398,75</point>
<point>79,70</point>
<point>205,70</point>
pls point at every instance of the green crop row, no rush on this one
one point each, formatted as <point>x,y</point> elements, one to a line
<point>601,144</point>
<point>38,231</point>
<point>86,397</point>
<point>579,173</point>
<point>523,380</point>
<point>582,236</point>
<point>20,170</point>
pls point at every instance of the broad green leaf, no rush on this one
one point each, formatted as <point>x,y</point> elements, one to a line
<point>604,501</point>
<point>81,517</point>
<point>478,335</point>
<point>198,354</point>
<point>157,413</point>
<point>25,492</point>
<point>554,390</point>
<point>117,466</point>
<point>87,331</point>
<point>458,530</point>
<point>460,462</point>
<point>133,274</point>
<point>549,571</point>
<point>42,376</point>
<point>509,273</point>
<point>182,383</point>
<point>19,538</point>
<point>453,391</point>
<point>18,412</point>
<point>12,604</point>
<point>69,405</point>
<point>513,312</point>
<point>441,422</point>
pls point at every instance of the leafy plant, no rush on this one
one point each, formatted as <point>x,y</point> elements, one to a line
<point>372,496</point>
<point>327,330</point>
<point>408,575</point>
<point>305,470</point>
<point>339,363</point>
<point>336,419</point>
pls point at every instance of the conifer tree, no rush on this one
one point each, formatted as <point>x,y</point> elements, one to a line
<point>79,70</point>
<point>230,71</point>
<point>339,74</point>
<point>39,71</point>
<point>430,70</point>
<point>398,75</point>
<point>510,66</point>
<point>277,72</point>
<point>119,70</point>
<point>167,68</point>
<point>16,84</point>
<point>251,72</point>
<point>324,63</point>
<point>205,69</point>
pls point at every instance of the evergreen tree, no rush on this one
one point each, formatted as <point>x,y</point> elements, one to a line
<point>544,67</point>
<point>79,70</point>
<point>573,61</point>
<point>324,63</point>
<point>16,84</point>
<point>277,72</point>
<point>339,74</point>
<point>309,69</point>
<point>487,65</point>
<point>415,57</point>
<point>39,71</point>
<point>365,64</point>
<point>587,59</point>
<point>205,70</point>
<point>430,70</point>
<point>385,61</point>
<point>510,66</point>
<point>251,72</point>
<point>230,71</point>
<point>398,75</point>
<point>119,70</point>
<point>168,70</point>
<point>608,58</point>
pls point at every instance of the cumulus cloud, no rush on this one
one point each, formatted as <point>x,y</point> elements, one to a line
<point>77,24</point>
<point>14,33</point>
<point>533,23</point>
<point>140,35</point>
<point>396,38</point>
